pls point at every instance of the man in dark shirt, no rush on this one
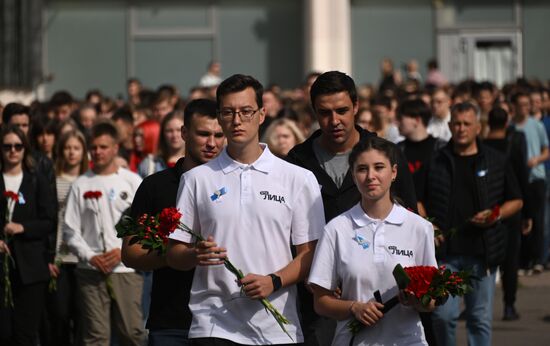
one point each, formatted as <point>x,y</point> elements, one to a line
<point>511,143</point>
<point>169,315</point>
<point>334,100</point>
<point>418,146</point>
<point>465,182</point>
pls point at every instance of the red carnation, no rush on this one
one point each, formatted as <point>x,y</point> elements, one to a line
<point>169,220</point>
<point>92,194</point>
<point>11,195</point>
<point>421,278</point>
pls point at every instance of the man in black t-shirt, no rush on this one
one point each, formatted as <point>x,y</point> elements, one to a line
<point>465,182</point>
<point>169,315</point>
<point>418,146</point>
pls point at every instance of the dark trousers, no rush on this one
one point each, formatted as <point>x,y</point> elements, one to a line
<point>532,245</point>
<point>19,326</point>
<point>60,323</point>
<point>221,342</point>
<point>511,262</point>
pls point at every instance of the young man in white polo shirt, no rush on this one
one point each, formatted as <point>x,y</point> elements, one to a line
<point>95,204</point>
<point>252,206</point>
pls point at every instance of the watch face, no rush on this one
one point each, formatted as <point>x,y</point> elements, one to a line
<point>276,282</point>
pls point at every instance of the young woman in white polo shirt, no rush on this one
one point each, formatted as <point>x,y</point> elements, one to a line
<point>359,250</point>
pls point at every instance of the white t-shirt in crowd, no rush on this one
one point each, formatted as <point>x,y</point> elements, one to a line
<point>13,183</point>
<point>89,227</point>
<point>255,211</point>
<point>439,128</point>
<point>358,254</point>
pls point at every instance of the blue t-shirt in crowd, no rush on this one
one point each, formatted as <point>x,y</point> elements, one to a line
<point>536,137</point>
<point>546,122</point>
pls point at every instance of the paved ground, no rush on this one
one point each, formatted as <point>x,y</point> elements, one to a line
<point>533,304</point>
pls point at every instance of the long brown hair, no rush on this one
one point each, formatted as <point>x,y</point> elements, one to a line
<point>60,163</point>
<point>163,151</point>
<point>28,162</point>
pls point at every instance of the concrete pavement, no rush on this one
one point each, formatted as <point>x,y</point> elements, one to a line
<point>533,304</point>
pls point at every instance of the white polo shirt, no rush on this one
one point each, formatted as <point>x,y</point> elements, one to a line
<point>360,253</point>
<point>89,224</point>
<point>255,211</point>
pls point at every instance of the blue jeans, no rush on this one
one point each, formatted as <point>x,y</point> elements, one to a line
<point>169,337</point>
<point>479,305</point>
<point>146,295</point>
<point>546,233</point>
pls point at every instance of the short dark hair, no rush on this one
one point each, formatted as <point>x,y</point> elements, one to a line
<point>204,107</point>
<point>483,86</point>
<point>105,127</point>
<point>498,118</point>
<point>12,109</point>
<point>123,114</point>
<point>465,107</point>
<point>374,143</point>
<point>432,64</point>
<point>239,82</point>
<point>517,95</point>
<point>133,80</point>
<point>93,92</point>
<point>61,98</point>
<point>41,125</point>
<point>333,82</point>
<point>415,108</point>
<point>381,100</point>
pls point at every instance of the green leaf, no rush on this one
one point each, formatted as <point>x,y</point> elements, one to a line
<point>401,277</point>
<point>425,300</point>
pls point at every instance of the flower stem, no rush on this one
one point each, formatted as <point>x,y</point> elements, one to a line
<point>8,294</point>
<point>280,318</point>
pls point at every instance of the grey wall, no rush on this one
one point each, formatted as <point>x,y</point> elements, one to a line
<point>536,39</point>
<point>264,39</point>
<point>398,29</point>
<point>85,47</point>
<point>86,43</point>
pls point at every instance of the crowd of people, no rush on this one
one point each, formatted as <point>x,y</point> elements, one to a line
<point>306,189</point>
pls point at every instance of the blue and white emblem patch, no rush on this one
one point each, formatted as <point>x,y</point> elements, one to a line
<point>217,195</point>
<point>361,241</point>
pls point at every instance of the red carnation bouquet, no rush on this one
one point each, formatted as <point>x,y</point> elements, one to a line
<point>152,232</point>
<point>11,199</point>
<point>425,283</point>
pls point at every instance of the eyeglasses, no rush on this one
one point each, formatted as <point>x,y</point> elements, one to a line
<point>245,114</point>
<point>8,147</point>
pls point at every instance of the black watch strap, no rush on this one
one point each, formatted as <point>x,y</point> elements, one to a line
<point>276,282</point>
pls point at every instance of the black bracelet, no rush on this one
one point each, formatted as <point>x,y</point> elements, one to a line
<point>276,280</point>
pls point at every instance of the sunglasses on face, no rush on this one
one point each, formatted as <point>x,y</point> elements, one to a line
<point>8,147</point>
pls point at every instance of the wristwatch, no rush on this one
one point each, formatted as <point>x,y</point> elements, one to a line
<point>276,282</point>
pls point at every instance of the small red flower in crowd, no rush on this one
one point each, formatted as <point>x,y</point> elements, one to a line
<point>11,195</point>
<point>92,194</point>
<point>495,214</point>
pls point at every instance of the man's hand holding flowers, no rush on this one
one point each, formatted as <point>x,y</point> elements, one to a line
<point>4,248</point>
<point>257,286</point>
<point>13,228</point>
<point>208,253</point>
